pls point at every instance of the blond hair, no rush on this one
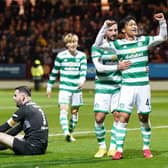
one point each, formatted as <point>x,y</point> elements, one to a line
<point>70,38</point>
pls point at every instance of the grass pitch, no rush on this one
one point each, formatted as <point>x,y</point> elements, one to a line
<point>79,154</point>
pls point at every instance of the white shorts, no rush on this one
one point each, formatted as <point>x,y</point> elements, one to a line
<point>74,99</point>
<point>135,95</point>
<point>106,102</point>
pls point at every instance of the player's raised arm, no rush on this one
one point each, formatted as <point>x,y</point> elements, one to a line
<point>101,34</point>
<point>162,36</point>
<point>163,26</point>
<point>159,17</point>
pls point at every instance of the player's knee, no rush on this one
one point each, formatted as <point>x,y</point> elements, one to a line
<point>124,117</point>
<point>63,113</point>
<point>75,111</point>
<point>143,118</point>
<point>99,119</point>
<point>116,116</point>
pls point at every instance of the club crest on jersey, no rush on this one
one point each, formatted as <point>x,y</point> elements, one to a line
<point>121,105</point>
<point>96,105</point>
<point>114,57</point>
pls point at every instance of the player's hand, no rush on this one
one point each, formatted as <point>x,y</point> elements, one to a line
<point>159,16</point>
<point>48,92</point>
<point>80,85</point>
<point>122,65</point>
<point>147,68</point>
<point>109,23</point>
<point>49,95</point>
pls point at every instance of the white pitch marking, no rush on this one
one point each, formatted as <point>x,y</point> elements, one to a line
<point>91,132</point>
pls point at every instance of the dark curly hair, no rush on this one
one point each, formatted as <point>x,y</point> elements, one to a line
<point>125,20</point>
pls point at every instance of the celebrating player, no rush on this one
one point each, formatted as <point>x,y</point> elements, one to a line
<point>107,90</point>
<point>135,88</point>
<point>71,65</point>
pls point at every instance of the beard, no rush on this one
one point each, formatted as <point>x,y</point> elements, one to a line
<point>18,104</point>
<point>112,38</point>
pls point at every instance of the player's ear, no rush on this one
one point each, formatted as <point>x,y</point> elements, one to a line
<point>23,98</point>
<point>123,30</point>
<point>67,45</point>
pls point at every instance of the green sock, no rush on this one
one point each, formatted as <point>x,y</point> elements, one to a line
<point>100,134</point>
<point>73,122</point>
<point>146,134</point>
<point>64,121</point>
<point>113,136</point>
<point>120,135</point>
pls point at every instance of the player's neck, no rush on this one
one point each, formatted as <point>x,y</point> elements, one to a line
<point>73,52</point>
<point>130,38</point>
<point>26,100</point>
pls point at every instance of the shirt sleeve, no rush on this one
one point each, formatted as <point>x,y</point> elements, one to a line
<point>100,67</point>
<point>83,69</point>
<point>4,127</point>
<point>100,37</point>
<point>15,130</point>
<point>104,68</point>
<point>16,117</point>
<point>155,40</point>
<point>54,72</point>
<point>19,115</point>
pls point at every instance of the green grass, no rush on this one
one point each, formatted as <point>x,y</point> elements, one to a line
<point>79,154</point>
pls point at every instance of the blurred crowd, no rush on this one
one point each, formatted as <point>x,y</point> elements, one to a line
<point>37,32</point>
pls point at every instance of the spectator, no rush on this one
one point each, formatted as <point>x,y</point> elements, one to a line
<point>37,74</point>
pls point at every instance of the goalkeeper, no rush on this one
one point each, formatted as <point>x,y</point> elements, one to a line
<point>29,118</point>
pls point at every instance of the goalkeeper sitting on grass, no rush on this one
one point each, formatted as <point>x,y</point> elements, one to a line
<point>29,118</point>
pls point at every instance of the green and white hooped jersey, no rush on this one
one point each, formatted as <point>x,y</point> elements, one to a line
<point>106,82</point>
<point>71,70</point>
<point>137,52</point>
